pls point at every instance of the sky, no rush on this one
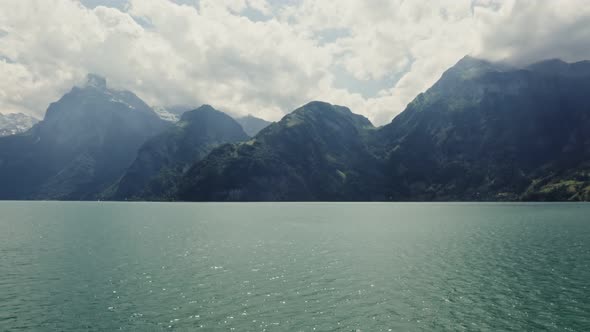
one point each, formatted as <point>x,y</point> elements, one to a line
<point>268,57</point>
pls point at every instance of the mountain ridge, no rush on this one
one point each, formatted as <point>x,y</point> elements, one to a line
<point>165,157</point>
<point>483,132</point>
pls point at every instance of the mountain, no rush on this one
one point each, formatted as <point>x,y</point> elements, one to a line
<point>489,132</point>
<point>85,142</point>
<point>252,125</point>
<point>15,123</point>
<point>166,157</point>
<point>484,131</point>
<point>318,152</point>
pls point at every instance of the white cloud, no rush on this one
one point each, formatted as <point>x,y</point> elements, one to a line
<point>417,40</point>
<point>211,53</point>
<point>525,31</point>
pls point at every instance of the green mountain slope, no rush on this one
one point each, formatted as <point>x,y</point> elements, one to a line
<point>488,132</point>
<point>318,152</point>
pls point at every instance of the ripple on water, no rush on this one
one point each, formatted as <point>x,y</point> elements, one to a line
<point>352,267</point>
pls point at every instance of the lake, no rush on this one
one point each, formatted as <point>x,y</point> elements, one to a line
<point>294,266</point>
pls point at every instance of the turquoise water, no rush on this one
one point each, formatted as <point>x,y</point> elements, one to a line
<point>294,267</point>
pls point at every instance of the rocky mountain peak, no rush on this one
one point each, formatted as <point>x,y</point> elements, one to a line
<point>96,81</point>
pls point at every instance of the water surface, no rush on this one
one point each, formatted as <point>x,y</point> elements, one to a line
<point>294,267</point>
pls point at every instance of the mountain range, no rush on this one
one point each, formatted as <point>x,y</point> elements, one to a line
<point>318,152</point>
<point>15,123</point>
<point>483,131</point>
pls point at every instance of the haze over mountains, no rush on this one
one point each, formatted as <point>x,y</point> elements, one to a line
<point>252,125</point>
<point>85,142</point>
<point>484,131</point>
<point>163,159</point>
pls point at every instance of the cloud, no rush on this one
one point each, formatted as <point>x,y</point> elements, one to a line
<point>181,56</point>
<point>290,52</point>
<point>522,32</point>
<point>415,41</point>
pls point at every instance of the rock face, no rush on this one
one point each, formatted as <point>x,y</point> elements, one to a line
<point>162,160</point>
<point>318,152</point>
<point>15,123</point>
<point>85,142</point>
<point>252,125</point>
